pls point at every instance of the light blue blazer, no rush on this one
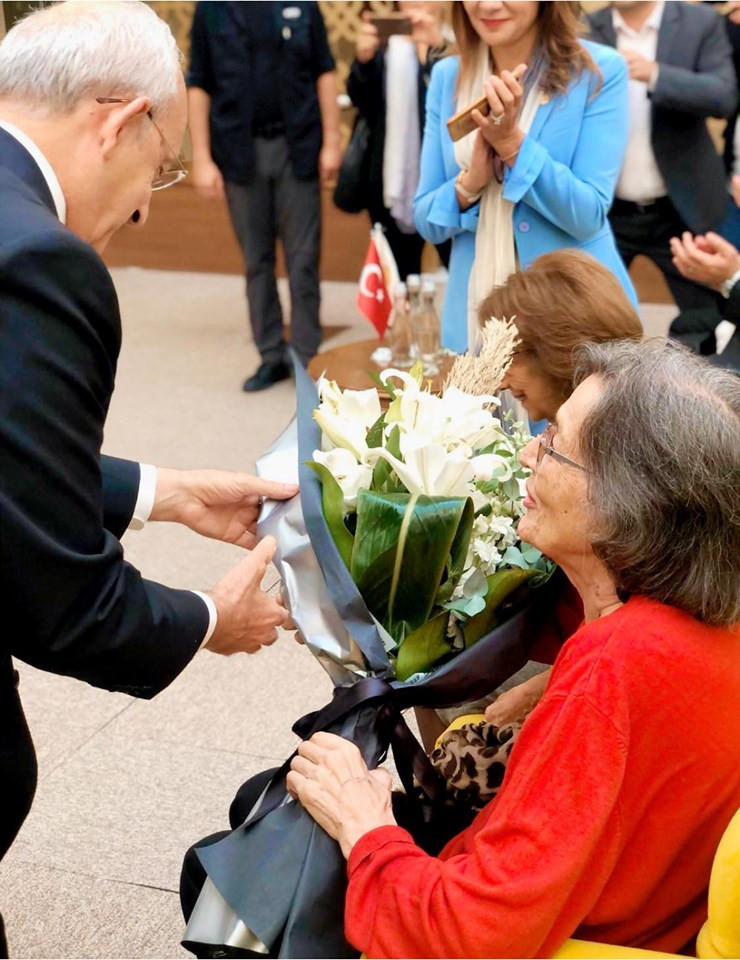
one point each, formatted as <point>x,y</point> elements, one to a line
<point>562,183</point>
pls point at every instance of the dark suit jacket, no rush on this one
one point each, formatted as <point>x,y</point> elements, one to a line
<point>696,81</point>
<point>68,601</point>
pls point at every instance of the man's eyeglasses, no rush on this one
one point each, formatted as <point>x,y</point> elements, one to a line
<point>545,447</point>
<point>165,178</point>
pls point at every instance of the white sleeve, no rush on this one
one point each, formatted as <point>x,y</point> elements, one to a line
<point>212,616</point>
<point>145,498</point>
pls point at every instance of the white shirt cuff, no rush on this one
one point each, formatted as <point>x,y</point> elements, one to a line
<point>652,82</point>
<point>212,616</point>
<point>145,498</point>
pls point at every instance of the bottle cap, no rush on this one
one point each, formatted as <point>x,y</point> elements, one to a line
<point>413,281</point>
<point>429,286</point>
<point>400,289</point>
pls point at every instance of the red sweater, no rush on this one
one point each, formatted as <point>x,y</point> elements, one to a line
<point>616,795</point>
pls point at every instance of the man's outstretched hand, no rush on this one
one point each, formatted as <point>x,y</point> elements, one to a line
<point>216,503</point>
<point>247,617</point>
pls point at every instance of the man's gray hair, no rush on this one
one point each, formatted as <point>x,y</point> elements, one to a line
<point>57,56</point>
<point>662,450</point>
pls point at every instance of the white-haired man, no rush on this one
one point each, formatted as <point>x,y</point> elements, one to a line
<point>92,111</point>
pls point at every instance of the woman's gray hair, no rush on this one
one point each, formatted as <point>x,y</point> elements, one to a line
<point>57,56</point>
<point>662,450</point>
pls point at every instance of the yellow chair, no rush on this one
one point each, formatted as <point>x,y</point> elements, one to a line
<point>719,937</point>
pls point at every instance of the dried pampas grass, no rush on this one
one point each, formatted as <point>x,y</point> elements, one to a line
<point>483,374</point>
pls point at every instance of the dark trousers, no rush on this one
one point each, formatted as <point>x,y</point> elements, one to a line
<point>18,770</point>
<point>276,206</point>
<point>647,230</point>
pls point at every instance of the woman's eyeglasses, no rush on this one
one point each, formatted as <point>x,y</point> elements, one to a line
<point>165,178</point>
<point>545,448</point>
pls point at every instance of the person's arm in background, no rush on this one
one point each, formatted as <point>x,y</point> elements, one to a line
<point>330,158</point>
<point>710,90</point>
<point>577,197</point>
<point>438,214</point>
<point>365,80</point>
<point>713,261</point>
<point>207,178</point>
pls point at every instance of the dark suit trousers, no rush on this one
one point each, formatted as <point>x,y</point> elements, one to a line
<point>647,230</point>
<point>277,206</point>
<point>17,766</point>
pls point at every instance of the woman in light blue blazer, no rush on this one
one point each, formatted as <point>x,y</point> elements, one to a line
<point>558,174</point>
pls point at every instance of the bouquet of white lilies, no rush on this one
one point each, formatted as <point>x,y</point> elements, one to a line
<point>422,501</point>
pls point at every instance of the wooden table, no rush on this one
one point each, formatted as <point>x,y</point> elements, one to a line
<point>349,366</point>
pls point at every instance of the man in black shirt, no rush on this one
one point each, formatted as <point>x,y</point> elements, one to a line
<point>264,124</point>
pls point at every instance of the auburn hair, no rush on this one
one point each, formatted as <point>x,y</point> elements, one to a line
<point>563,299</point>
<point>560,28</point>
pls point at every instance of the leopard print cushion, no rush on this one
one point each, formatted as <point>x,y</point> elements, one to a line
<point>472,759</point>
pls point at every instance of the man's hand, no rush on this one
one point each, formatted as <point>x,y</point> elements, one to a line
<point>330,160</point>
<point>247,617</point>
<point>709,259</point>
<point>639,67</point>
<point>207,179</point>
<point>216,503</point>
<point>425,27</point>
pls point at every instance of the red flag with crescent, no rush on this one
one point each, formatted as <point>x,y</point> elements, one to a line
<point>377,280</point>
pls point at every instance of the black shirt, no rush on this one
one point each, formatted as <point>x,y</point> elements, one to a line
<point>232,47</point>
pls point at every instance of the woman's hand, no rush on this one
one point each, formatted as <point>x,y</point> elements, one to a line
<point>368,41</point>
<point>516,703</point>
<point>480,173</point>
<point>501,127</point>
<point>333,783</point>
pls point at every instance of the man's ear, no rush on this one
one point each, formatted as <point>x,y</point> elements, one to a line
<point>116,120</point>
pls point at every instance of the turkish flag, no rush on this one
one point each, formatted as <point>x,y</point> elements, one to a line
<point>377,281</point>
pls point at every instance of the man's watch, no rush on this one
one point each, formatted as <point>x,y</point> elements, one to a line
<point>470,196</point>
<point>727,285</point>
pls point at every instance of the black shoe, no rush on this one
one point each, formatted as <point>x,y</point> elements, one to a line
<point>266,375</point>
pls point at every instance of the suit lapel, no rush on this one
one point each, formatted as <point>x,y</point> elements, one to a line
<point>15,157</point>
<point>543,112</point>
<point>667,32</point>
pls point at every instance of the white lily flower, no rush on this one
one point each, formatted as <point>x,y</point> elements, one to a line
<point>490,465</point>
<point>429,469</point>
<point>349,474</point>
<point>349,434</point>
<point>409,383</point>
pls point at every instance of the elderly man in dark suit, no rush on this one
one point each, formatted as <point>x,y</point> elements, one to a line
<point>92,106</point>
<point>681,72</point>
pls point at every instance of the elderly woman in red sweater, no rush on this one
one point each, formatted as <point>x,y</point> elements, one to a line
<point>627,771</point>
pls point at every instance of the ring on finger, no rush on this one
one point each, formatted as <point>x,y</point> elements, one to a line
<point>497,120</point>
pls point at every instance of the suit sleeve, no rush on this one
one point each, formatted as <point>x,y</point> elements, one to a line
<point>710,89</point>
<point>77,607</point>
<point>200,72</point>
<point>437,213</point>
<point>576,197</point>
<point>121,480</point>
<point>732,306</point>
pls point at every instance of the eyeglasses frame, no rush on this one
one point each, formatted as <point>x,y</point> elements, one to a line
<point>545,448</point>
<point>180,172</point>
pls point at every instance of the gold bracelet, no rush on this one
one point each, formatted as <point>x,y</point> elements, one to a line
<point>510,155</point>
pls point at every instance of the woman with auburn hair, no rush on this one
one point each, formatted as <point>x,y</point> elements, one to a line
<point>538,174</point>
<point>562,300</point>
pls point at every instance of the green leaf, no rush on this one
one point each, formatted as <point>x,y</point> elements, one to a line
<point>374,436</point>
<point>500,585</point>
<point>383,470</point>
<point>424,647</point>
<point>332,502</point>
<point>401,551</point>
<point>381,384</point>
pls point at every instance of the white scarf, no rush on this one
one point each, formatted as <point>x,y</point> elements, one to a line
<point>495,251</point>
<point>402,134</point>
